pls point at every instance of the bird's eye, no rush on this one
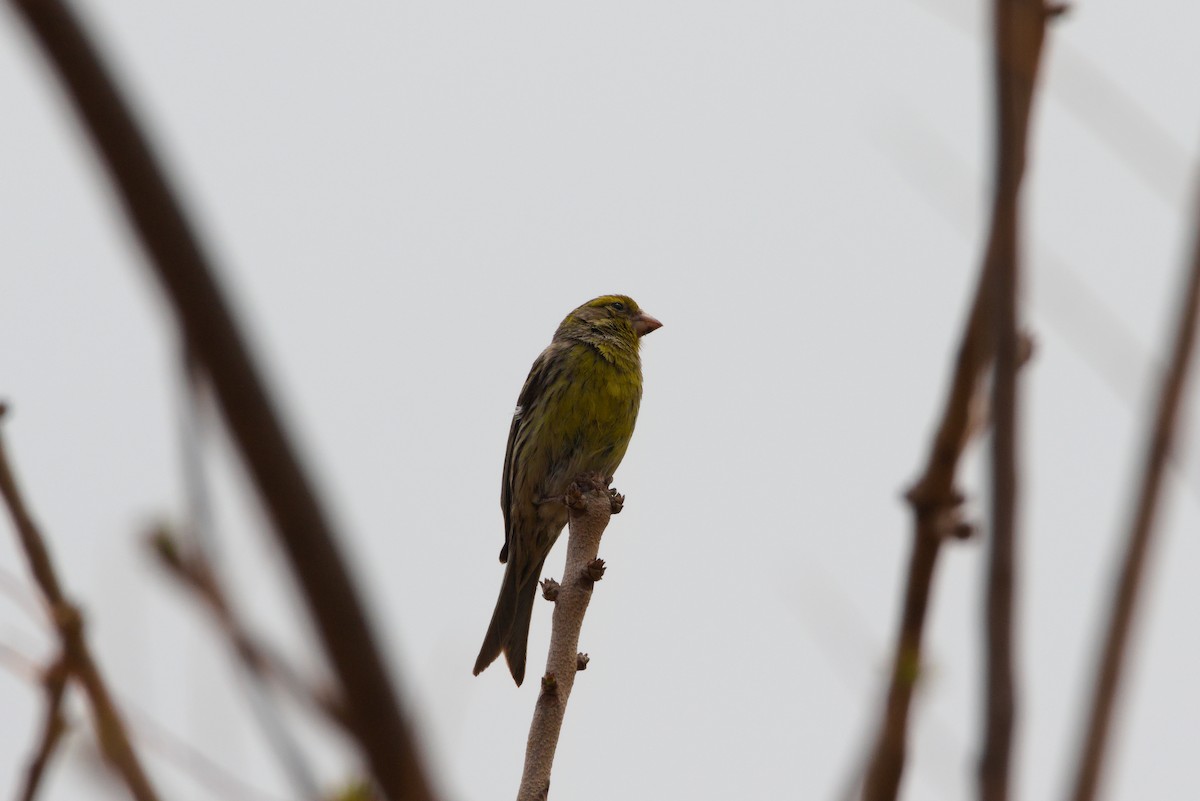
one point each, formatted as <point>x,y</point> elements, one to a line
<point>618,306</point>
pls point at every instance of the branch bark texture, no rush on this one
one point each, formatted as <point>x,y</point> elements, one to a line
<point>1020,27</point>
<point>77,659</point>
<point>1159,441</point>
<point>300,523</point>
<point>591,510</point>
<point>935,500</point>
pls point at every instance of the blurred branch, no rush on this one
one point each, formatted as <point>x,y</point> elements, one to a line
<point>20,664</point>
<point>159,740</point>
<point>300,523</point>
<point>1087,323</point>
<point>591,504</point>
<point>192,569</point>
<point>110,730</point>
<point>189,760</point>
<point>200,539</point>
<point>54,682</point>
<point>1141,532</point>
<point>936,505</point>
<point>1020,29</point>
<point>937,515</point>
<point>1116,117</point>
<point>935,501</point>
<point>21,595</point>
<point>1068,303</point>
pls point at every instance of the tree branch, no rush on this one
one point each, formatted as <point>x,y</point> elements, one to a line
<point>935,501</point>
<point>110,729</point>
<point>193,570</point>
<point>1019,27</point>
<point>1159,441</point>
<point>156,738</point>
<point>937,515</point>
<point>54,682</point>
<point>591,503</point>
<point>300,523</point>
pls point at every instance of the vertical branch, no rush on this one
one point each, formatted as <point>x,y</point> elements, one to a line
<point>935,501</point>
<point>1019,27</point>
<point>210,331</point>
<point>1141,531</point>
<point>591,504</point>
<point>77,656</point>
<point>1000,705</point>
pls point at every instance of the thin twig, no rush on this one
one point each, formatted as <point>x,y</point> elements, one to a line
<point>221,782</point>
<point>1020,28</point>
<point>157,739</point>
<point>110,730</point>
<point>1159,441</point>
<point>54,682</point>
<point>192,569</point>
<point>936,505</point>
<point>20,664</point>
<point>1118,118</point>
<point>201,538</point>
<point>300,523</point>
<point>20,594</point>
<point>591,504</point>
<point>937,515</point>
<point>886,765</point>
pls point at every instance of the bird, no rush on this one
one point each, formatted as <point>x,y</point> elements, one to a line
<point>575,415</point>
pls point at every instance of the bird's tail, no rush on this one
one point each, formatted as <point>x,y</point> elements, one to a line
<point>508,633</point>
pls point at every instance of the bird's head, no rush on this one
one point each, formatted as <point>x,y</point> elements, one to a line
<point>615,316</point>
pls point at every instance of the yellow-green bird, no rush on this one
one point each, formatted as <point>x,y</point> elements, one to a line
<point>575,415</point>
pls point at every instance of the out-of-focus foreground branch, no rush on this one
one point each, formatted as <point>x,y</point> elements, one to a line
<point>1019,31</point>
<point>1159,442</point>
<point>152,737</point>
<point>591,504</point>
<point>76,657</point>
<point>54,682</point>
<point>935,500</point>
<point>937,515</point>
<point>210,332</point>
<point>194,571</point>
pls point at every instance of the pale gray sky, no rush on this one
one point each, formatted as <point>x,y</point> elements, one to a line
<point>407,198</point>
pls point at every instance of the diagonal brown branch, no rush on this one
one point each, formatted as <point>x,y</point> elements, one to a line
<point>936,506</point>
<point>157,739</point>
<point>209,329</point>
<point>195,572</point>
<point>934,499</point>
<point>77,656</point>
<point>1159,442</point>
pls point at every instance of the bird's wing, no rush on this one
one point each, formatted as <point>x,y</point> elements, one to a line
<point>535,385</point>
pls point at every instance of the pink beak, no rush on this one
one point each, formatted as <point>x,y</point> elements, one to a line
<point>643,324</point>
